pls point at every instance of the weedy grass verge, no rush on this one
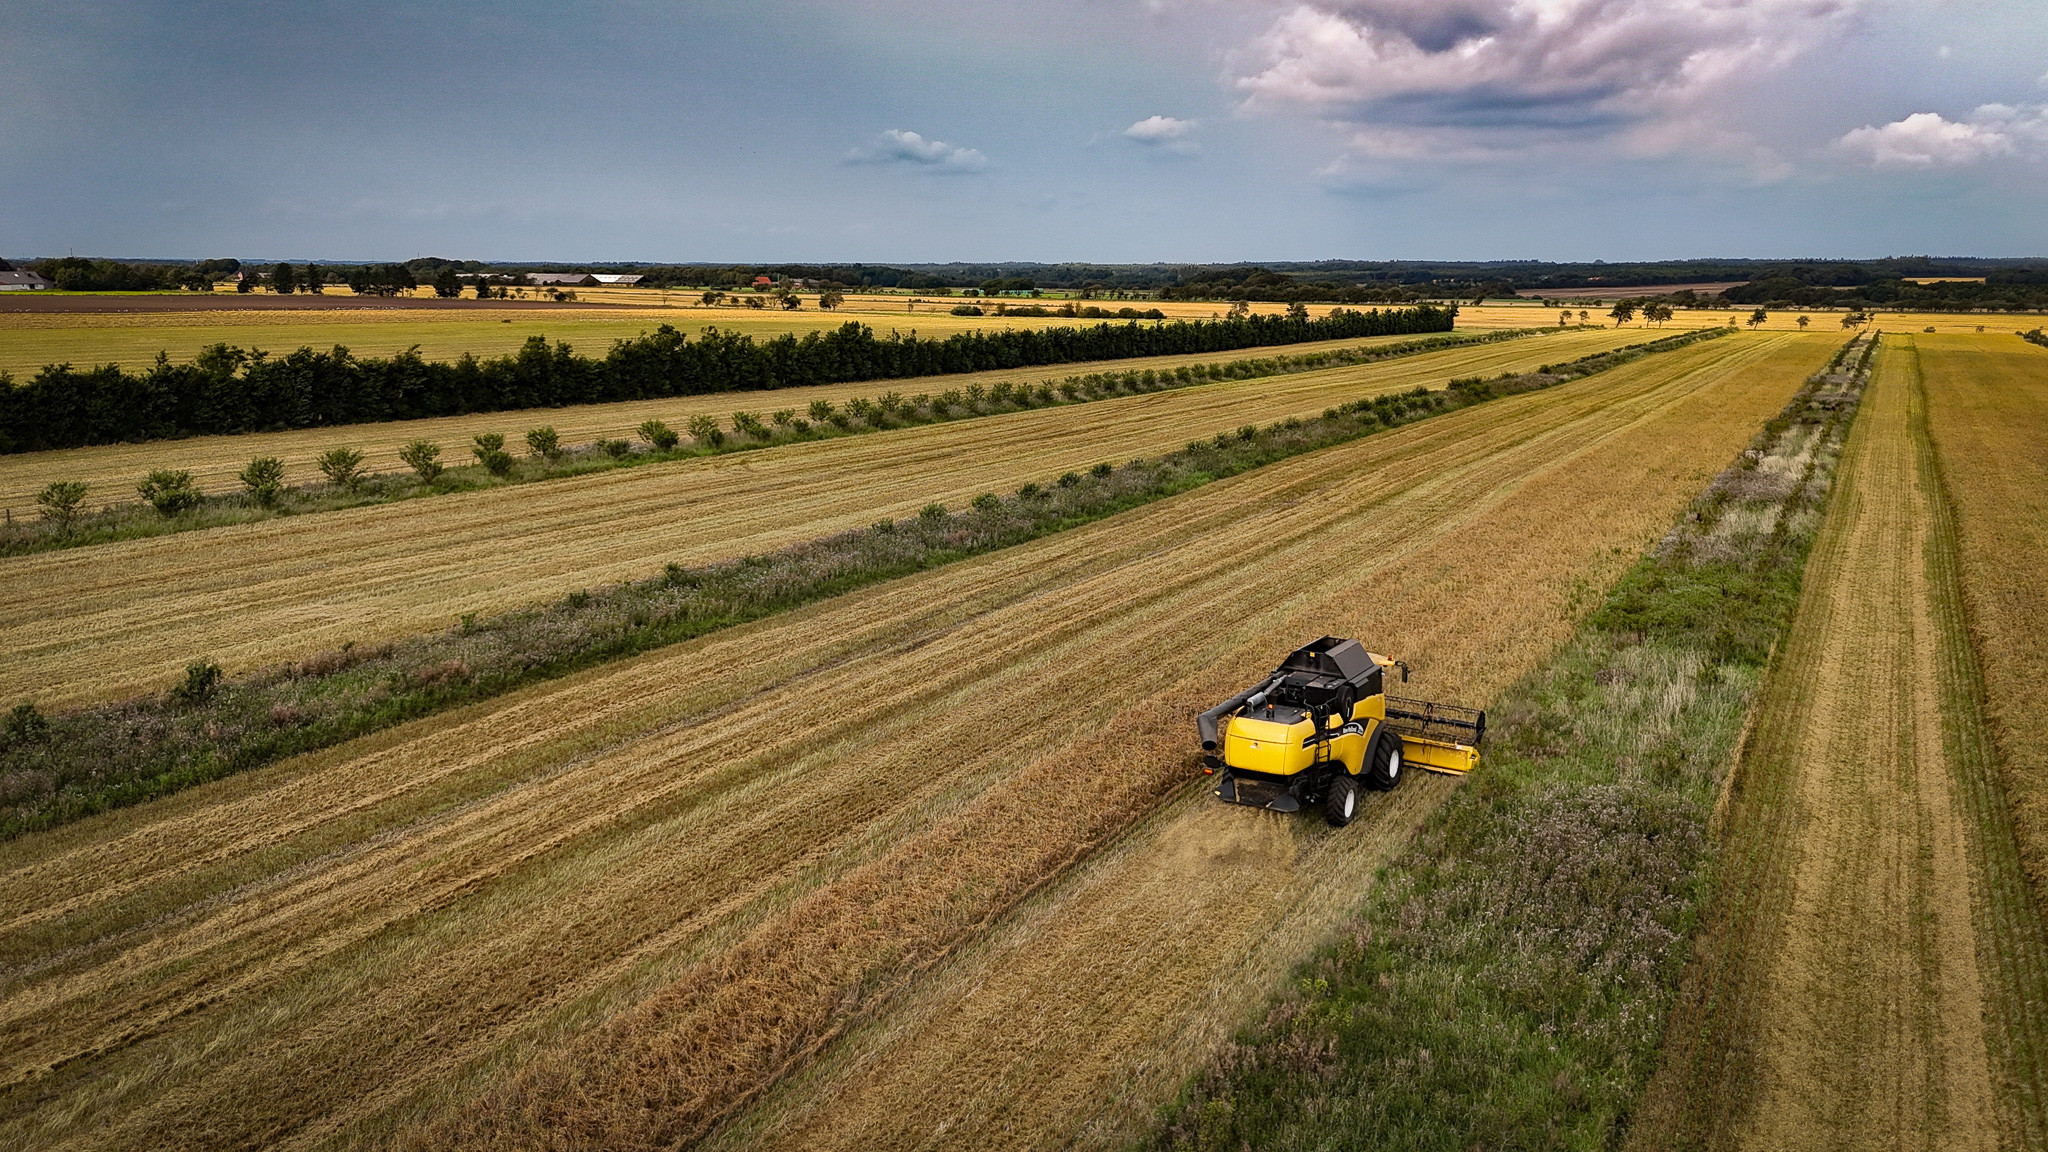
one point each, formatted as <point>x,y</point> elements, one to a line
<point>1506,982</point>
<point>58,768</point>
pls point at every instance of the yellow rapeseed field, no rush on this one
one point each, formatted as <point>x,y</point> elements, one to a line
<point>109,620</point>
<point>605,911</point>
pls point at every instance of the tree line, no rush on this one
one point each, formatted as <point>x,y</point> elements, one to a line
<point>228,390</point>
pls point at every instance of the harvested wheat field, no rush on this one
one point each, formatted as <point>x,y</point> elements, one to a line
<point>1987,410</point>
<point>1878,969</point>
<point>110,620</point>
<point>214,461</point>
<point>607,911</point>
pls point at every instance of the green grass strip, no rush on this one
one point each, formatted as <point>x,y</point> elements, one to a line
<point>1506,982</point>
<point>56,769</point>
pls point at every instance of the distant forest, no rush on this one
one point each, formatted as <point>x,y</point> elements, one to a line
<point>1887,283</point>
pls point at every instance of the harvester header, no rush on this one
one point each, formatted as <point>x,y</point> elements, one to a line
<point>1322,724</point>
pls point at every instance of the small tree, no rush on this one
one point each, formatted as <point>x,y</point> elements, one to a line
<point>1564,317</point>
<point>1852,319</point>
<point>264,478</point>
<point>284,279</point>
<point>1804,321</point>
<point>202,680</point>
<point>489,449</point>
<point>1297,311</point>
<point>447,285</point>
<point>60,502</point>
<point>313,279</point>
<point>661,436</point>
<point>343,467</point>
<point>423,457</point>
<point>821,409</point>
<point>705,431</point>
<point>1623,312</point>
<point>1584,316</point>
<point>790,301</point>
<point>1757,317</point>
<point>170,493</point>
<point>543,441</point>
<point>712,298</point>
<point>831,298</point>
<point>1656,313</point>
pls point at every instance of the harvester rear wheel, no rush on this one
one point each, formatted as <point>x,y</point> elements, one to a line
<point>1340,803</point>
<point>1383,762</point>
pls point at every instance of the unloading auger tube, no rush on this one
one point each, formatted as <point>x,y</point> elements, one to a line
<point>1322,727</point>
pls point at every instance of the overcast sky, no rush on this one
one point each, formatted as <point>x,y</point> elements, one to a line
<point>1115,130</point>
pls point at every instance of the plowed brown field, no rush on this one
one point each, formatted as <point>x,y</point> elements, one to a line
<point>111,620</point>
<point>1879,967</point>
<point>604,911</point>
<point>112,470</point>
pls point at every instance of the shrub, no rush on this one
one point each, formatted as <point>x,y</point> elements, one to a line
<point>986,502</point>
<point>660,435</point>
<point>544,441</point>
<point>1069,479</point>
<point>616,449</point>
<point>60,502</point>
<point>966,310</point>
<point>783,417</point>
<point>264,478</point>
<point>932,512</point>
<point>821,409</point>
<point>489,448</point>
<point>423,457</point>
<point>1101,471</point>
<point>802,426</point>
<point>1070,388</point>
<point>202,680</point>
<point>1044,393</point>
<point>1029,490</point>
<point>1247,432</point>
<point>948,400</point>
<point>861,408</point>
<point>749,424</point>
<point>890,402</point>
<point>343,467</point>
<point>24,723</point>
<point>706,432</point>
<point>170,493</point>
<point>976,394</point>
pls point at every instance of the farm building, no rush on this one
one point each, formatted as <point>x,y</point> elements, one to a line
<point>614,278</point>
<point>22,282</point>
<point>563,279</point>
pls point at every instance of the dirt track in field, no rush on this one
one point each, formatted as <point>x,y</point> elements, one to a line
<point>112,620</point>
<point>673,877</point>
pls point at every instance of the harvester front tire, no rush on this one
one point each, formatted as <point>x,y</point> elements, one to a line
<point>1384,770</point>
<point>1340,804</point>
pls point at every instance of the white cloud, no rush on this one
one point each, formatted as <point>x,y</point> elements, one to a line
<point>897,146</point>
<point>1164,132</point>
<point>1931,140</point>
<point>1160,129</point>
<point>1484,77</point>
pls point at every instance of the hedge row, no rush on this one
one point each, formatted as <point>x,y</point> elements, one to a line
<point>227,390</point>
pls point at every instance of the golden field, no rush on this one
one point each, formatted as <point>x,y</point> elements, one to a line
<point>612,910</point>
<point>104,621</point>
<point>112,470</point>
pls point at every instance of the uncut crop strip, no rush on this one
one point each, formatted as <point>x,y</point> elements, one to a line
<point>112,470</point>
<point>439,900</point>
<point>113,620</point>
<point>1872,973</point>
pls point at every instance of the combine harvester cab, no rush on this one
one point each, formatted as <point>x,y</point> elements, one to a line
<point>1322,725</point>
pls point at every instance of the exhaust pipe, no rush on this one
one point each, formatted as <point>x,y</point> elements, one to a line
<point>1206,722</point>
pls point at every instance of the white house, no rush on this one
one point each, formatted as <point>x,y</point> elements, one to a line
<point>23,282</point>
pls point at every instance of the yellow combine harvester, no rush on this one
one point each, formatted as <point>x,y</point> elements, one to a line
<point>1321,724</point>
